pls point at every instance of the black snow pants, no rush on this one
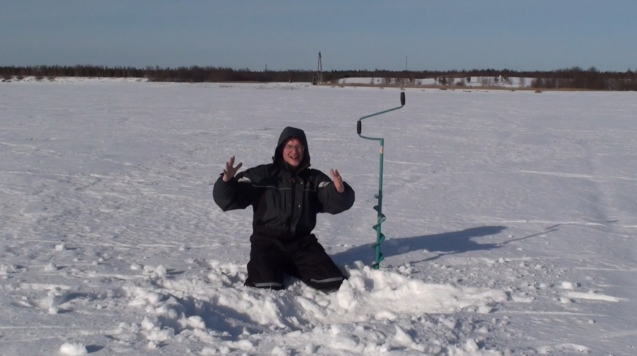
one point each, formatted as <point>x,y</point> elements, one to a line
<point>304,258</point>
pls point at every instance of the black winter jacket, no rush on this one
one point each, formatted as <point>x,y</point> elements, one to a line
<point>285,203</point>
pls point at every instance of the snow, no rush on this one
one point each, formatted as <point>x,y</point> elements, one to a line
<point>511,221</point>
<point>72,349</point>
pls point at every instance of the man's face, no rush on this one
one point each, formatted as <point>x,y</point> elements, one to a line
<point>293,152</point>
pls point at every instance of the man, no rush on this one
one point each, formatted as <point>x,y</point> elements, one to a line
<point>285,196</point>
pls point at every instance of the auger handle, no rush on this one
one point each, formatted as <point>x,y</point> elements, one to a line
<point>359,123</point>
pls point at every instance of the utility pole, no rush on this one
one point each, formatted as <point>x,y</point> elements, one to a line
<point>405,78</point>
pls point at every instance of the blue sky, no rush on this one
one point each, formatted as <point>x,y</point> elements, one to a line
<point>351,34</point>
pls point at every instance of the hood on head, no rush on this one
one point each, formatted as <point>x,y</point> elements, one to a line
<point>286,134</point>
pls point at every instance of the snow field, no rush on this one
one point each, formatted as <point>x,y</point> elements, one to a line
<point>510,221</point>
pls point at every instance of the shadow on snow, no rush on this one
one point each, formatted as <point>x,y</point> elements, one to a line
<point>445,244</point>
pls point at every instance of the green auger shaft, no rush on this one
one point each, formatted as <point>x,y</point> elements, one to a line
<point>379,208</point>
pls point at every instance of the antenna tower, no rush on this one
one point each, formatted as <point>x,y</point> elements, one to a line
<point>319,70</point>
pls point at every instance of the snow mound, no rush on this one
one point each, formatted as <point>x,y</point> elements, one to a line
<point>73,349</point>
<point>217,306</point>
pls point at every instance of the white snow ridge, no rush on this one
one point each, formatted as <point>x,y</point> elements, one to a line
<point>73,349</point>
<point>217,305</point>
<point>510,221</point>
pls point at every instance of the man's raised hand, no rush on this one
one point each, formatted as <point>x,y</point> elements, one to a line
<point>338,180</point>
<point>230,170</point>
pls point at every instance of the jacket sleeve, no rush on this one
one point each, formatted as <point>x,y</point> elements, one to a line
<point>234,194</point>
<point>332,201</point>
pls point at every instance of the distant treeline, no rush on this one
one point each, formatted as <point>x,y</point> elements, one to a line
<point>571,78</point>
<point>192,74</point>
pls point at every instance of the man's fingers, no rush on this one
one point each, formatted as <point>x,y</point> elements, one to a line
<point>230,170</point>
<point>338,181</point>
<point>230,164</point>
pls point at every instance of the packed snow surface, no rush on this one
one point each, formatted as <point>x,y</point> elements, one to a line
<point>511,221</point>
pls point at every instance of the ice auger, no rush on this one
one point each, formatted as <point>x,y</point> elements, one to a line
<point>379,208</point>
